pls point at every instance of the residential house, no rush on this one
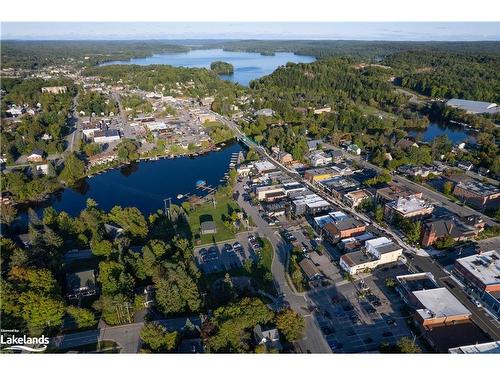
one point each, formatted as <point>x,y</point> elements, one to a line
<point>267,336</point>
<point>354,149</point>
<point>81,284</point>
<point>35,157</point>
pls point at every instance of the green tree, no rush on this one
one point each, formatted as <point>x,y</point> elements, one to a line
<point>406,345</point>
<point>290,324</point>
<point>41,311</point>
<point>83,318</point>
<point>158,338</point>
<point>130,219</point>
<point>74,169</point>
<point>447,187</point>
<point>101,247</point>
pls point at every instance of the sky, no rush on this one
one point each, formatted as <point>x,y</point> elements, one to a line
<point>403,31</point>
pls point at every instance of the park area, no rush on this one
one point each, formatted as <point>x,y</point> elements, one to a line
<point>225,214</point>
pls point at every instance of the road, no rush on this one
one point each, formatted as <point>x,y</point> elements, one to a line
<point>313,340</point>
<point>127,129</point>
<point>479,316</point>
<point>126,336</point>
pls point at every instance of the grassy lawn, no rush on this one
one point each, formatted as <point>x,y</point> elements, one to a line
<point>207,212</point>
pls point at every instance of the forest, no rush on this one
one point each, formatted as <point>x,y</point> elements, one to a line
<point>449,75</point>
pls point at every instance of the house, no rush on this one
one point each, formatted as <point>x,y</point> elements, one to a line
<point>319,158</point>
<point>355,198</point>
<point>314,144</point>
<point>283,157</point>
<point>81,284</point>
<point>309,269</point>
<point>266,112</point>
<point>54,89</point>
<point>102,158</point>
<point>465,165</point>
<point>42,169</point>
<point>35,157</point>
<point>14,111</point>
<point>268,336</point>
<point>348,227</point>
<point>406,144</point>
<point>336,155</point>
<point>477,194</point>
<point>208,227</point>
<point>472,106</point>
<point>354,149</point>
<point>318,111</point>
<point>113,231</point>
<point>442,228</point>
<point>412,208</point>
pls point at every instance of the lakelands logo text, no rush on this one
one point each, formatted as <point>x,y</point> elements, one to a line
<point>30,344</point>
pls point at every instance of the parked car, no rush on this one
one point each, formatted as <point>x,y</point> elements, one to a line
<point>237,246</point>
<point>228,247</point>
<point>390,322</point>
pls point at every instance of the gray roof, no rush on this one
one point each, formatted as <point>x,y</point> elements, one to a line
<point>439,303</point>
<point>82,279</point>
<point>473,106</point>
<point>309,268</point>
<point>208,225</point>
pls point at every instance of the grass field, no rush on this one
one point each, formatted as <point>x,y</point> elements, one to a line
<point>207,212</point>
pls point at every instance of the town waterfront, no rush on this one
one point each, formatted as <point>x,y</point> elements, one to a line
<point>145,184</point>
<point>247,65</point>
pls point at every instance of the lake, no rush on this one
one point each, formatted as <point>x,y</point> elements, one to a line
<point>455,133</point>
<point>145,184</point>
<point>247,65</point>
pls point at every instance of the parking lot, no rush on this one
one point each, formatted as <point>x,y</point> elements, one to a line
<point>226,255</point>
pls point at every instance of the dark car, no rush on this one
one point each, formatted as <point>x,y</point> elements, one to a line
<point>390,322</point>
<point>371,310</point>
<point>203,252</point>
<point>228,247</point>
<point>335,345</point>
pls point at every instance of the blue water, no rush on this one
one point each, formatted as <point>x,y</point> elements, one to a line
<point>454,132</point>
<point>247,66</point>
<point>145,184</point>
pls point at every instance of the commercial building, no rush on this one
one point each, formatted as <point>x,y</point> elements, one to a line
<point>443,228</point>
<point>106,136</point>
<point>355,198</point>
<point>377,252</point>
<point>409,208</point>
<point>102,158</point>
<point>407,284</point>
<point>309,204</point>
<point>206,117</point>
<point>485,348</point>
<point>477,194</point>
<point>472,106</point>
<point>438,307</point>
<point>318,174</point>
<point>339,186</point>
<point>480,271</point>
<point>269,192</point>
<point>394,192</point>
<point>346,228</point>
<point>262,167</point>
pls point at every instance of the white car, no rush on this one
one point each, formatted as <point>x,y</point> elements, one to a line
<point>477,303</point>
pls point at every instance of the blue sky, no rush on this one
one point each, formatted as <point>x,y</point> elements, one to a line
<point>404,31</point>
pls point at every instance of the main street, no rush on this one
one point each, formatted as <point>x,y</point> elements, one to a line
<point>423,264</point>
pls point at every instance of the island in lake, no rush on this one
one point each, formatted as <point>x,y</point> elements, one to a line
<point>222,67</point>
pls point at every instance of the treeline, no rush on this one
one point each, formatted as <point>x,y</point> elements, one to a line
<point>166,79</point>
<point>96,102</point>
<point>449,75</point>
<point>374,50</point>
<point>222,67</point>
<point>39,54</point>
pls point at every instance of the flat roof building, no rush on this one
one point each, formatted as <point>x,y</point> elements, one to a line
<point>348,227</point>
<point>481,271</point>
<point>439,307</point>
<point>485,348</point>
<point>394,192</point>
<point>442,228</point>
<point>473,106</point>
<point>408,208</point>
<point>477,194</point>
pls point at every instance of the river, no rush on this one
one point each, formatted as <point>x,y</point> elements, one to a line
<point>247,65</point>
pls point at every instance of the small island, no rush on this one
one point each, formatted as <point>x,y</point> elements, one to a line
<point>267,53</point>
<point>222,68</point>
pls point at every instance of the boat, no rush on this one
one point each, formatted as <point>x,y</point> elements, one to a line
<point>201,183</point>
<point>179,196</point>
